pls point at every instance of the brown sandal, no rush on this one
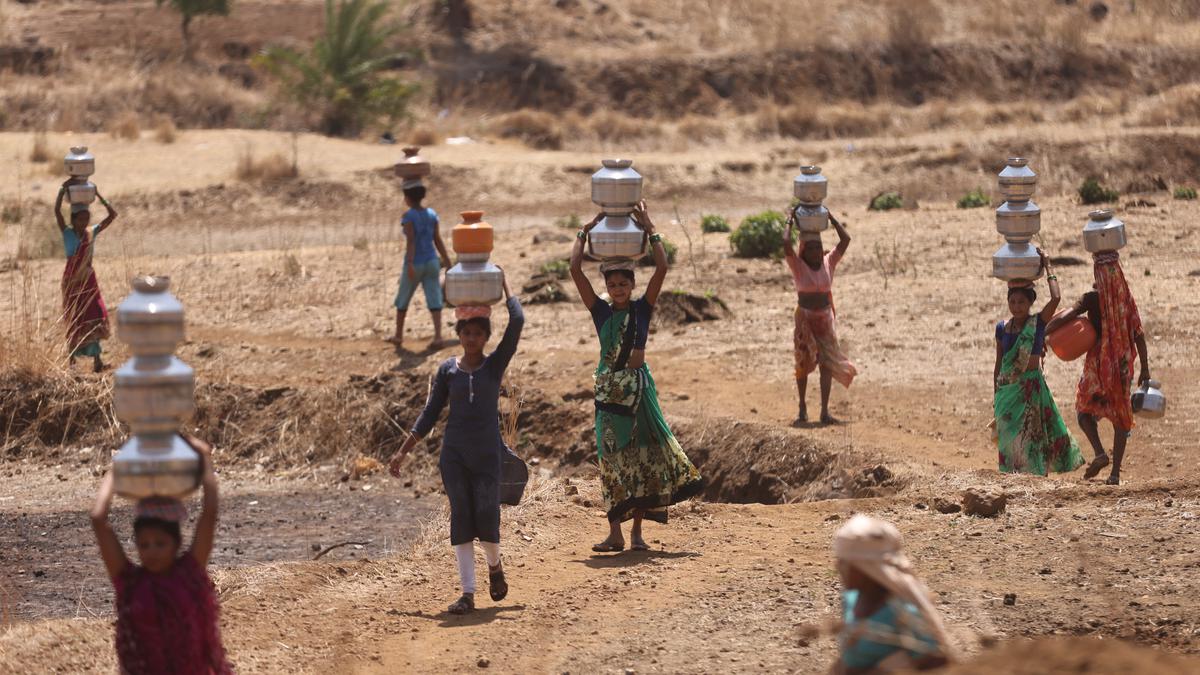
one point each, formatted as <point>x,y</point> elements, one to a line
<point>463,605</point>
<point>1094,468</point>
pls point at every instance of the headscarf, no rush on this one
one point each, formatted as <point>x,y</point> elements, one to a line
<point>873,546</point>
<point>464,312</point>
<point>1120,323</point>
<point>617,266</point>
<point>162,508</point>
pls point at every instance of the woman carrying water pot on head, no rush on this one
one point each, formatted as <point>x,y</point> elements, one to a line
<point>643,469</point>
<point>84,312</point>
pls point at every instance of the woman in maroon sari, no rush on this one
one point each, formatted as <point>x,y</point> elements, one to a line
<point>84,312</point>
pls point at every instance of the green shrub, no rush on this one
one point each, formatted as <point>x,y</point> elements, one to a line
<point>1092,192</point>
<point>759,236</point>
<point>712,223</point>
<point>1185,193</point>
<point>671,250</point>
<point>887,201</point>
<point>571,222</point>
<point>559,269</point>
<point>974,199</point>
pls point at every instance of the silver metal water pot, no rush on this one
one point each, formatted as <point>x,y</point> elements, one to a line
<point>810,187</point>
<point>156,465</point>
<point>1103,232</point>
<point>617,237</point>
<point>82,192</point>
<point>1017,181</point>
<point>413,165</point>
<point>474,282</point>
<point>79,162</point>
<point>1016,262</point>
<point>616,187</point>
<point>1018,221</point>
<point>1149,401</point>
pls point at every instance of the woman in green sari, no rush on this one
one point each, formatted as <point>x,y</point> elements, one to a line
<point>643,470</point>
<point>1032,436</point>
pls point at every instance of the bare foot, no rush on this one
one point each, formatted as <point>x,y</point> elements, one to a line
<point>610,545</point>
<point>639,544</point>
<point>826,418</point>
<point>1097,464</point>
<point>801,417</point>
<point>1113,479</point>
<point>395,339</point>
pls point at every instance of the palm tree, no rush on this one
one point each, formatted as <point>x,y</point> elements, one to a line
<point>189,9</point>
<point>343,70</point>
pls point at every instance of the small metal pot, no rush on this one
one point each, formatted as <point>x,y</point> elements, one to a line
<point>1018,221</point>
<point>150,319</point>
<point>810,187</point>
<point>1016,262</point>
<point>79,162</point>
<point>616,237</point>
<point>1103,232</point>
<point>1017,181</point>
<point>413,166</point>
<point>154,393</point>
<point>156,465</point>
<point>1149,401</point>
<point>616,187</point>
<point>474,282</point>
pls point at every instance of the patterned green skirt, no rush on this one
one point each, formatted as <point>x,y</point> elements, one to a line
<point>642,466</point>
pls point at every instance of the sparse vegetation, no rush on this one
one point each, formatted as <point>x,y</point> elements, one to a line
<point>534,128</point>
<point>40,152</point>
<point>343,73</point>
<point>670,248</point>
<point>1183,192</point>
<point>887,201</point>
<point>1092,192</point>
<point>125,127</point>
<point>559,269</point>
<point>190,9</point>
<point>571,222</point>
<point>974,199</point>
<point>710,223</point>
<point>273,167</point>
<point>11,212</point>
<point>759,236</point>
<point>164,129</point>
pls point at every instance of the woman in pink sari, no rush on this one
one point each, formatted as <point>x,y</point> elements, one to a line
<point>815,340</point>
<point>166,606</point>
<point>84,312</point>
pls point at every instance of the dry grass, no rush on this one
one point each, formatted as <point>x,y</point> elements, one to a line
<point>534,128</point>
<point>125,126</point>
<point>40,152</point>
<point>164,129</point>
<point>423,136</point>
<point>702,129</point>
<point>1176,106</point>
<point>273,167</point>
<point>913,25</point>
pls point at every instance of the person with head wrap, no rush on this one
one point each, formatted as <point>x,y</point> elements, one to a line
<point>167,612</point>
<point>643,469</point>
<point>84,313</point>
<point>815,343</point>
<point>1031,435</point>
<point>889,621</point>
<point>424,257</point>
<point>1103,390</point>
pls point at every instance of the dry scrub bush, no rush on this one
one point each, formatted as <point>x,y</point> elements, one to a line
<point>164,129</point>
<point>423,136</point>
<point>1093,106</point>
<point>273,167</point>
<point>912,26</point>
<point>701,129</point>
<point>534,128</point>
<point>125,127</point>
<point>1176,106</point>
<point>40,152</point>
<point>609,125</point>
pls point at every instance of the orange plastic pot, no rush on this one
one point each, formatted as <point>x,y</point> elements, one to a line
<point>472,235</point>
<point>1073,339</point>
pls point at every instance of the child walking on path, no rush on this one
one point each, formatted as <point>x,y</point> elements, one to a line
<point>424,257</point>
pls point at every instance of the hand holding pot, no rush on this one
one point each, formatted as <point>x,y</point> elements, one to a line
<point>594,222</point>
<point>642,216</point>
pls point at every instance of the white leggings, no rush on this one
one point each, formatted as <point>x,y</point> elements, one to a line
<point>465,553</point>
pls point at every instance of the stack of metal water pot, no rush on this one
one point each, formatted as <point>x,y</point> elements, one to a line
<point>413,168</point>
<point>810,189</point>
<point>1103,232</point>
<point>153,392</point>
<point>1018,219</point>
<point>617,189</point>
<point>80,165</point>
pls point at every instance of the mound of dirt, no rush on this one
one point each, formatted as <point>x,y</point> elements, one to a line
<point>678,307</point>
<point>1075,655</point>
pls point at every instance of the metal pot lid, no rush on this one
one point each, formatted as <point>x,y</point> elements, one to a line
<point>1018,209</point>
<point>79,153</point>
<point>1102,219</point>
<point>1017,172</point>
<point>617,171</point>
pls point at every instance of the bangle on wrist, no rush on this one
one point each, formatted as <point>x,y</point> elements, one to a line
<point>580,235</point>
<point>1052,277</point>
<point>655,238</point>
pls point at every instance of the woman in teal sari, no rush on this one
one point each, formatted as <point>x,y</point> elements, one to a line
<point>643,470</point>
<point>1032,436</point>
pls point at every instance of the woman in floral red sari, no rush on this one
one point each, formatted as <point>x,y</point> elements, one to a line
<point>1103,390</point>
<point>84,312</point>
